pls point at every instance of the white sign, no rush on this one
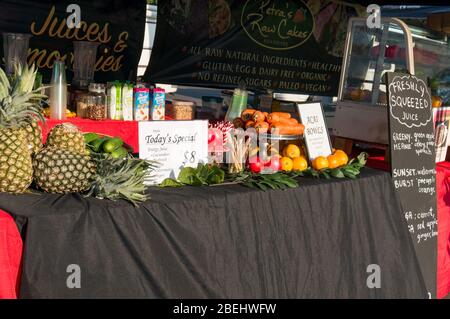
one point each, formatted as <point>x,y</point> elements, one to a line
<point>316,133</point>
<point>174,145</point>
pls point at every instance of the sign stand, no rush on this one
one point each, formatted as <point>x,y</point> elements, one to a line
<point>413,168</point>
<point>316,135</point>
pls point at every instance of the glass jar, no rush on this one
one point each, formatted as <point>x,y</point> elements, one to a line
<point>181,110</point>
<point>79,100</point>
<point>96,108</point>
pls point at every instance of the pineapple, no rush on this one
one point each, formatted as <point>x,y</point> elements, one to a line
<point>62,171</point>
<point>19,108</point>
<point>66,136</point>
<point>16,172</point>
<point>24,78</point>
<point>33,133</point>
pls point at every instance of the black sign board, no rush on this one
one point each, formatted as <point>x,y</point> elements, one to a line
<point>412,150</point>
<point>117,25</point>
<point>283,45</point>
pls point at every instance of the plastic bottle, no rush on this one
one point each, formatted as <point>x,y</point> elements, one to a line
<point>238,104</point>
<point>58,92</point>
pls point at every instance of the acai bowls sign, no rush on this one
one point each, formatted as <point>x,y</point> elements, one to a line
<point>277,24</point>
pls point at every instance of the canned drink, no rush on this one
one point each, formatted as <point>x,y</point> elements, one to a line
<point>158,109</point>
<point>141,104</point>
<point>127,101</point>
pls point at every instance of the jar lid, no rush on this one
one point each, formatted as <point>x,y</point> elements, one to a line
<point>183,103</point>
<point>97,87</point>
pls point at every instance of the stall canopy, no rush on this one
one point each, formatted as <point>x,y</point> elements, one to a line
<point>417,12</point>
<point>286,46</point>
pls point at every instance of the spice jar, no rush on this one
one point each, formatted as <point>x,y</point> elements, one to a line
<point>79,99</point>
<point>181,110</point>
<point>96,108</point>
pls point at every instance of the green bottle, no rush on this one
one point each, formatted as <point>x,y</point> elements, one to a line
<point>237,105</point>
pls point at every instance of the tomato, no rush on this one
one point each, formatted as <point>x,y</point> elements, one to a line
<point>274,164</point>
<point>214,135</point>
<point>255,164</point>
<point>211,136</point>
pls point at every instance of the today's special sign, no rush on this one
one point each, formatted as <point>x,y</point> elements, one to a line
<point>173,145</point>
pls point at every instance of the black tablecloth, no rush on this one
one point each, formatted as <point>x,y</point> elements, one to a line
<point>226,241</point>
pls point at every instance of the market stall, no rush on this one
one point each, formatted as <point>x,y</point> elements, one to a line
<point>117,189</point>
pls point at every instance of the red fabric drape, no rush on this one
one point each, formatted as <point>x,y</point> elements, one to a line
<point>443,195</point>
<point>126,130</point>
<point>10,257</point>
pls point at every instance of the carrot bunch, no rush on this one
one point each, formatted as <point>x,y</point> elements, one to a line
<point>279,123</point>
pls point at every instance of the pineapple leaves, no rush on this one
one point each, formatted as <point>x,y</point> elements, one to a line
<point>123,178</point>
<point>20,104</point>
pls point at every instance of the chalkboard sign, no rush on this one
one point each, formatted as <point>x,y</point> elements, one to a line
<point>413,168</point>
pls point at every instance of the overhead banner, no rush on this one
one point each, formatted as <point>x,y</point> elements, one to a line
<point>281,45</point>
<point>117,25</point>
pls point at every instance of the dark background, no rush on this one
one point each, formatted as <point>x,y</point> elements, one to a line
<point>122,15</point>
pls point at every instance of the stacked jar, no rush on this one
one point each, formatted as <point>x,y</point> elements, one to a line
<point>96,108</point>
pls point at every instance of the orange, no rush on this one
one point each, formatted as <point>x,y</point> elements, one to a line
<point>299,163</point>
<point>286,164</point>
<point>319,163</point>
<point>333,161</point>
<point>292,151</point>
<point>342,157</point>
<point>436,101</point>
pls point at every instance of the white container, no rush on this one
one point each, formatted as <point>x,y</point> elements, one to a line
<point>114,99</point>
<point>127,102</point>
<point>58,92</point>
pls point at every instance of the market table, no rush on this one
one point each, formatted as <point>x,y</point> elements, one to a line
<point>227,241</point>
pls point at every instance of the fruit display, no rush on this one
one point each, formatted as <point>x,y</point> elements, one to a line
<point>33,132</point>
<point>112,146</point>
<point>336,165</point>
<point>63,165</point>
<point>320,163</point>
<point>67,164</point>
<point>121,178</point>
<point>293,158</point>
<point>66,136</point>
<point>20,109</point>
<point>277,123</point>
<point>436,101</point>
<point>59,170</point>
<point>69,113</point>
<point>337,159</point>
